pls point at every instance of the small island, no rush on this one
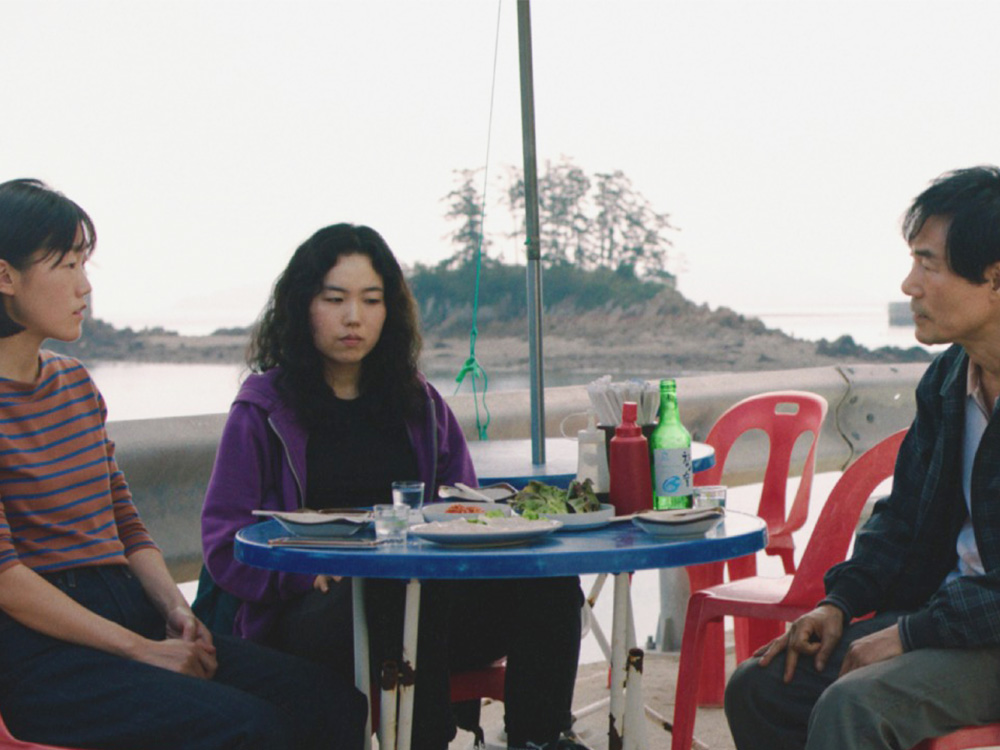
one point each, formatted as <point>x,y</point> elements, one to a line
<point>654,332</point>
<point>611,303</point>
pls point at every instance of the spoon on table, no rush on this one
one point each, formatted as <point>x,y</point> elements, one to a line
<point>626,517</point>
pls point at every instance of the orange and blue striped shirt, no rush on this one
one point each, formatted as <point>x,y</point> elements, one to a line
<point>64,502</point>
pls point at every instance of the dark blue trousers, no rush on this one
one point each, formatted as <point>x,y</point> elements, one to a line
<point>464,625</point>
<point>55,692</point>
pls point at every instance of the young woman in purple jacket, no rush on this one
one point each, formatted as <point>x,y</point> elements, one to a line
<point>334,411</point>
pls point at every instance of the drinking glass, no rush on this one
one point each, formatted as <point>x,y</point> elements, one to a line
<point>391,522</point>
<point>410,494</point>
<point>709,496</point>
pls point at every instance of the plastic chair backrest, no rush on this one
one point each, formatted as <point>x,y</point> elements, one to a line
<point>784,416</point>
<point>987,735</point>
<point>487,682</point>
<point>838,520</point>
<point>9,742</point>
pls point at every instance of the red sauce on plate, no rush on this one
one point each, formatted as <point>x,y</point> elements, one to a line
<point>458,508</point>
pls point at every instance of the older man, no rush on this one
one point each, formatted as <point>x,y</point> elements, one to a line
<point>926,567</point>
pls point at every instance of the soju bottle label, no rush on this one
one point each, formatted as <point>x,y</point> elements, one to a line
<point>672,477</point>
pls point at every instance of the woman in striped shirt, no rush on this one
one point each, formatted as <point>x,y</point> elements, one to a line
<point>98,647</point>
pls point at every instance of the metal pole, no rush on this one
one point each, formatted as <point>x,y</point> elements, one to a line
<point>534,274</point>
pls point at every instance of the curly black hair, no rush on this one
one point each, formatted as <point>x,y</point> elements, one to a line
<point>283,335</point>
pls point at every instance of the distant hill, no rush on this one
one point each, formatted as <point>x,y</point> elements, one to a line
<point>593,322</point>
<point>101,341</point>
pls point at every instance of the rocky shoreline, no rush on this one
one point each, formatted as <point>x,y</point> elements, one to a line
<point>650,357</point>
<point>666,334</point>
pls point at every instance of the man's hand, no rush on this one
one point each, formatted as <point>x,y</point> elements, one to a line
<point>815,633</point>
<point>879,646</point>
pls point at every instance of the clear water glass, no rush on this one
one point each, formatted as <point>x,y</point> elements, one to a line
<point>391,522</point>
<point>410,494</point>
<point>709,496</point>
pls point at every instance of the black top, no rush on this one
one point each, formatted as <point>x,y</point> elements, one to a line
<point>353,458</point>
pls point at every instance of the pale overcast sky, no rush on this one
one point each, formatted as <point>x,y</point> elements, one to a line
<point>207,139</point>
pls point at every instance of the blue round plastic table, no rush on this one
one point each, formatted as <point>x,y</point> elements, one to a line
<point>619,548</point>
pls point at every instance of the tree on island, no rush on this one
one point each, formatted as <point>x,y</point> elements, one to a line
<point>587,222</point>
<point>465,205</point>
<point>606,251</point>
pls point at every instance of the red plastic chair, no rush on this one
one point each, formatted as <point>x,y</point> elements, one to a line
<point>473,684</point>
<point>8,742</point>
<point>479,683</point>
<point>784,416</point>
<point>789,596</point>
<point>987,735</point>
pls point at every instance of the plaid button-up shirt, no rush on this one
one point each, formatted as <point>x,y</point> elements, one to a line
<point>907,549</point>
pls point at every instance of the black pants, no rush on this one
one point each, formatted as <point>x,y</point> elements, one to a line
<point>58,693</point>
<point>535,623</point>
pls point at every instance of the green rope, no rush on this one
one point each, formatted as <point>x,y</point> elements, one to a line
<point>472,366</point>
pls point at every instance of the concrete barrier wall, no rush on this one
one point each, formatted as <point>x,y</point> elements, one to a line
<point>866,403</point>
<point>168,461</point>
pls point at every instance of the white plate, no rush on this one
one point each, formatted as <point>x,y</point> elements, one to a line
<point>494,492</point>
<point>595,519</point>
<point>439,511</point>
<point>317,523</point>
<point>500,532</point>
<point>676,523</point>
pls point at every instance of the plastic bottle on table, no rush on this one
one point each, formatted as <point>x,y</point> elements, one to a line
<point>671,448</point>
<point>592,458</point>
<point>631,490</point>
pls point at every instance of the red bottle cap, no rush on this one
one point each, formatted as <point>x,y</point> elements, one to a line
<point>628,427</point>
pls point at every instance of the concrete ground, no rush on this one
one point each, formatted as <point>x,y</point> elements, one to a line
<point>659,679</point>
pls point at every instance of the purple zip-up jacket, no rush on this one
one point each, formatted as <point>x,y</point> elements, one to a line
<point>261,463</point>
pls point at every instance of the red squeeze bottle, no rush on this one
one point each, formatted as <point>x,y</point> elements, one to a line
<point>631,488</point>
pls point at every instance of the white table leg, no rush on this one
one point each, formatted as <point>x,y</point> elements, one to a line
<point>630,642</point>
<point>362,674</point>
<point>595,626</point>
<point>388,724</point>
<point>635,727</point>
<point>410,621</point>
<point>619,626</point>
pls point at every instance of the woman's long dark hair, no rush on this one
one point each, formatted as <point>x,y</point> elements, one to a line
<point>283,336</point>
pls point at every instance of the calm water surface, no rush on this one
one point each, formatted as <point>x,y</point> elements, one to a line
<point>138,390</point>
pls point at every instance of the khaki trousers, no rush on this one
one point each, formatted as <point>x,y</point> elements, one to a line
<point>892,704</point>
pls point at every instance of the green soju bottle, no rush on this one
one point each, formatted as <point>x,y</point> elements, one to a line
<point>670,444</point>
